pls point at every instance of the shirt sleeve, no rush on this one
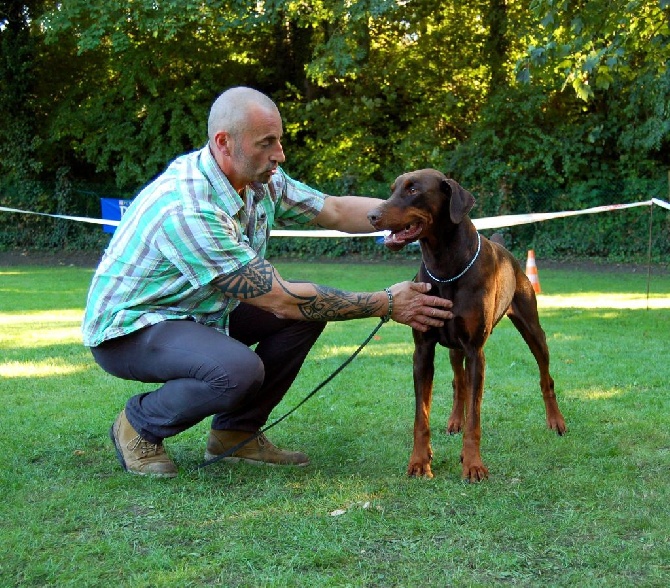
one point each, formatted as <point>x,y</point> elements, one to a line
<point>297,203</point>
<point>203,244</point>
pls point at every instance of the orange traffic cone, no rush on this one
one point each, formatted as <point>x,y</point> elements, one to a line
<point>531,271</point>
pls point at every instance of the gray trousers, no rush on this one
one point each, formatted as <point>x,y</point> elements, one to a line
<point>206,373</point>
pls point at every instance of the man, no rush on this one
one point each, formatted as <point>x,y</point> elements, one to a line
<point>184,289</point>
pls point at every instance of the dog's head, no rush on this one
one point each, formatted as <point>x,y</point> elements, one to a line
<point>418,199</point>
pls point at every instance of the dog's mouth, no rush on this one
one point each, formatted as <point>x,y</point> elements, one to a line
<point>396,240</point>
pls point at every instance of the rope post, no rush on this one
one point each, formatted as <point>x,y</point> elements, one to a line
<point>651,227</point>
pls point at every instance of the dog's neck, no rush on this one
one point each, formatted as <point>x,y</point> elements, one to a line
<point>449,254</point>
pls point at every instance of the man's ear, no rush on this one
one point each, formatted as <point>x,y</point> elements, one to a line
<point>222,142</point>
<point>461,200</point>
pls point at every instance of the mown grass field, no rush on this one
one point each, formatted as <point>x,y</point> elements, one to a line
<point>587,509</point>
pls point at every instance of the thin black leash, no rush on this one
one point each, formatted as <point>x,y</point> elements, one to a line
<point>239,446</point>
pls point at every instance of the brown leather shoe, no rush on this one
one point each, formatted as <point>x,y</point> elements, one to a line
<point>137,455</point>
<point>258,451</point>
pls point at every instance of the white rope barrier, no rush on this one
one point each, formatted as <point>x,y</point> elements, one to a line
<point>491,222</point>
<point>661,203</point>
<point>510,220</point>
<point>81,219</point>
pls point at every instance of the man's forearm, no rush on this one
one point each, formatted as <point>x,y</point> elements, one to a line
<point>347,213</point>
<point>259,283</point>
<point>331,304</point>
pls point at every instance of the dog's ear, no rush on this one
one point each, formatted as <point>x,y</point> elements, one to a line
<point>461,201</point>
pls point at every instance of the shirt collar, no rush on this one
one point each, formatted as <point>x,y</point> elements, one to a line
<point>222,186</point>
<point>220,183</point>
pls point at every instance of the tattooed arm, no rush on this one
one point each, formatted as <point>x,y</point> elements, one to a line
<point>260,284</point>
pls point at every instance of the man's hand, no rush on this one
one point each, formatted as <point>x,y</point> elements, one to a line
<point>413,307</point>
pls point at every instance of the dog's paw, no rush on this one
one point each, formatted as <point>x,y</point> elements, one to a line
<point>474,469</point>
<point>419,470</point>
<point>475,472</point>
<point>557,424</point>
<point>454,426</point>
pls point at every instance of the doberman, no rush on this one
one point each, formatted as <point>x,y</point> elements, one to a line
<point>485,283</point>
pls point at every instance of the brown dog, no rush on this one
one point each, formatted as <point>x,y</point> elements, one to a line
<point>485,282</point>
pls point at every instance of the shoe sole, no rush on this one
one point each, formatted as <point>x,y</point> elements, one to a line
<point>257,462</point>
<point>119,454</point>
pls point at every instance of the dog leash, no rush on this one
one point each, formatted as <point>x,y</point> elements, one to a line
<point>232,450</point>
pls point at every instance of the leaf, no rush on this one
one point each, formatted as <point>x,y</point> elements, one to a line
<point>523,74</point>
<point>548,20</point>
<point>582,89</point>
<point>591,63</point>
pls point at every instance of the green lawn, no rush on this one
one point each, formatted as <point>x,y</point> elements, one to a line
<point>587,509</point>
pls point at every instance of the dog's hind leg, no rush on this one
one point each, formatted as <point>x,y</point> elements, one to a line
<point>460,386</point>
<point>524,316</point>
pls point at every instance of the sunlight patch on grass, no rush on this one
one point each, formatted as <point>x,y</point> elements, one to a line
<point>45,335</point>
<point>40,329</point>
<point>598,393</point>
<point>17,369</point>
<point>600,300</point>
<point>35,319</point>
<point>385,349</point>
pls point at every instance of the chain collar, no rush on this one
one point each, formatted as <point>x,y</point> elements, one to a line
<point>479,246</point>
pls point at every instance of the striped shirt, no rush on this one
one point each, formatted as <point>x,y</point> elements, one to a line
<point>183,230</point>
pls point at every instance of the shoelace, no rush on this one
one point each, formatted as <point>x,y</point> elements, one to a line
<point>145,446</point>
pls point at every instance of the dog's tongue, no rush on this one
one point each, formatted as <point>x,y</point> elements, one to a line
<point>398,239</point>
<point>393,242</point>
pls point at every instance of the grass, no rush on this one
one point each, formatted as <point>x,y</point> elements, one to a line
<point>588,509</point>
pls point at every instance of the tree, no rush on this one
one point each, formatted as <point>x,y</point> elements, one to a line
<point>18,80</point>
<point>569,96</point>
<point>587,43</point>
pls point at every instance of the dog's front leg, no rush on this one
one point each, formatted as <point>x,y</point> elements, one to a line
<point>474,469</point>
<point>460,386</point>
<point>424,370</point>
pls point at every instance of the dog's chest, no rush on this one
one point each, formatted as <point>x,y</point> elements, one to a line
<point>449,337</point>
<point>468,327</point>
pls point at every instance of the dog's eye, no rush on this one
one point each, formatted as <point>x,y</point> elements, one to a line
<point>412,190</point>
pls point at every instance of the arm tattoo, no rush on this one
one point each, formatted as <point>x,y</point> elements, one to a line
<point>331,304</point>
<point>326,304</point>
<point>252,280</point>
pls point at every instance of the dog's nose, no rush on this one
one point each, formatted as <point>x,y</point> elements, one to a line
<point>373,216</point>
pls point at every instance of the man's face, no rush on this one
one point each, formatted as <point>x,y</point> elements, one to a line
<point>256,151</point>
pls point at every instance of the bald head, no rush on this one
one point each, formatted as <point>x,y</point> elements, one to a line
<point>245,132</point>
<point>230,111</point>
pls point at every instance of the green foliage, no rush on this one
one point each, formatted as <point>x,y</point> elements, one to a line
<point>19,59</point>
<point>590,44</point>
<point>518,103</point>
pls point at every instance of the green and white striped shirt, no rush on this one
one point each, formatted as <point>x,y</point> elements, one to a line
<point>183,230</point>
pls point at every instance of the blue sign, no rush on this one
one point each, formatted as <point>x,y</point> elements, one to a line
<point>113,209</point>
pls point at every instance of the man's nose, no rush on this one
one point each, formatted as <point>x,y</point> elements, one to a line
<point>278,154</point>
